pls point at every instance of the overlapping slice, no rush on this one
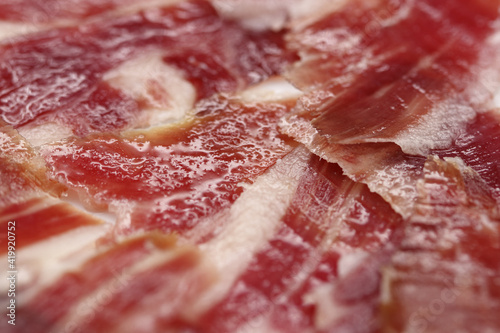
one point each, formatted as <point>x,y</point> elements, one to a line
<point>38,230</point>
<point>446,274</point>
<point>36,11</point>
<point>382,90</point>
<point>412,73</point>
<point>319,270</point>
<point>26,196</point>
<point>173,178</point>
<point>281,240</point>
<point>56,76</point>
<point>394,175</point>
<point>120,288</point>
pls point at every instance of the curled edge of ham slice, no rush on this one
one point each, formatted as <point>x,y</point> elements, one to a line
<point>384,87</point>
<point>393,174</point>
<point>383,167</point>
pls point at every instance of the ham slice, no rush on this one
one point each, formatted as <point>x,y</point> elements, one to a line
<point>38,229</point>
<point>409,74</point>
<point>173,178</point>
<point>96,295</point>
<point>57,75</point>
<point>26,195</point>
<point>36,11</point>
<point>366,199</point>
<point>313,275</point>
<point>445,275</point>
<point>379,99</point>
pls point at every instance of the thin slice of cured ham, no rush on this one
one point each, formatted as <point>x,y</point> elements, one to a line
<point>319,271</point>
<point>377,97</point>
<point>446,274</point>
<point>172,178</point>
<point>26,198</point>
<point>36,11</point>
<point>410,73</point>
<point>38,230</point>
<point>57,75</point>
<point>356,232</point>
<point>119,288</point>
<point>394,175</point>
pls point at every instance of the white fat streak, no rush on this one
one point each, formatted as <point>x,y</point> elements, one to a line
<point>256,15</point>
<point>305,12</point>
<point>490,79</point>
<point>254,218</point>
<point>41,264</point>
<point>265,14</point>
<point>327,311</point>
<point>435,131</point>
<point>88,306</point>
<point>273,89</point>
<point>38,135</point>
<point>389,18</point>
<point>348,262</point>
<point>260,324</point>
<point>108,217</point>
<point>91,303</point>
<point>142,320</point>
<point>173,96</point>
<point>14,29</point>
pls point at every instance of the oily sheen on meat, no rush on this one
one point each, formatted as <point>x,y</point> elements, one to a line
<point>251,166</point>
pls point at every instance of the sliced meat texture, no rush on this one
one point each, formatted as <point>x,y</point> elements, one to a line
<point>37,11</point>
<point>28,198</point>
<point>364,199</point>
<point>120,288</point>
<point>383,91</point>
<point>172,178</point>
<point>57,75</point>
<point>445,275</point>
<point>320,270</point>
<point>410,72</point>
<point>394,174</point>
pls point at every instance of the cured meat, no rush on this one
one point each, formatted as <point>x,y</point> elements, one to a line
<point>25,199</point>
<point>384,217</point>
<point>173,178</point>
<point>479,147</point>
<point>161,92</point>
<point>445,276</point>
<point>38,229</point>
<point>95,296</point>
<point>409,73</point>
<point>311,275</point>
<point>36,11</point>
<point>394,175</point>
<point>381,89</point>
<point>54,75</point>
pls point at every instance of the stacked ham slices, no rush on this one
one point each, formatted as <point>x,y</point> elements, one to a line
<point>250,166</point>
